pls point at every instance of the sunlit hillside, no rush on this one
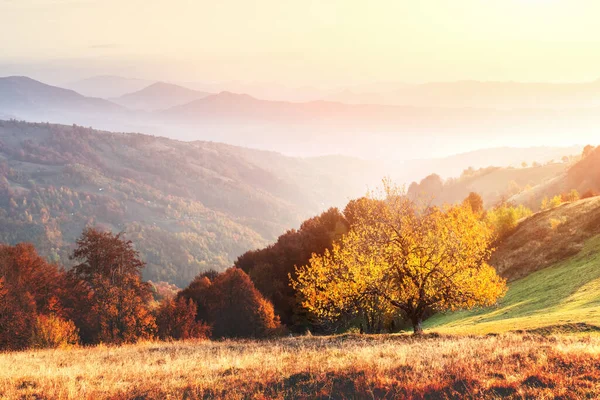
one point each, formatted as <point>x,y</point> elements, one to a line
<point>552,261</point>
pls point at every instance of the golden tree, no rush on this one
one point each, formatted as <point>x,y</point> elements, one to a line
<point>412,257</point>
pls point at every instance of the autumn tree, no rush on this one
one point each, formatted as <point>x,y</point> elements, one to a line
<point>588,194</point>
<point>176,319</point>
<point>26,271</point>
<point>270,267</point>
<point>51,331</point>
<point>237,309</point>
<point>198,292</point>
<point>505,217</point>
<point>110,280</point>
<point>587,150</point>
<point>29,287</point>
<point>571,196</point>
<point>417,258</point>
<point>17,317</point>
<point>345,283</point>
<point>475,202</point>
<point>361,210</point>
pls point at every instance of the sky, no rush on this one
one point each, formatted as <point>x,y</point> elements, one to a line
<point>304,42</point>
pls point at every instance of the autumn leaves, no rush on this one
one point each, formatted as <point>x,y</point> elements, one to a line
<point>405,257</point>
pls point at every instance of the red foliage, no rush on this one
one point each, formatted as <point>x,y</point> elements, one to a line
<point>28,286</point>
<point>176,319</point>
<point>109,287</point>
<point>17,318</point>
<point>198,292</point>
<point>26,271</point>
<point>589,194</point>
<point>269,268</point>
<point>237,309</point>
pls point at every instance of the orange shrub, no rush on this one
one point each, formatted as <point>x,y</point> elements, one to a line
<point>54,332</point>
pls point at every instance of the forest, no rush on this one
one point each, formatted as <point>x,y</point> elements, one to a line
<point>189,207</point>
<point>386,263</point>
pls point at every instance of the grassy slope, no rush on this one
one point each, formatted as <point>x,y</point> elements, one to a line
<point>565,293</point>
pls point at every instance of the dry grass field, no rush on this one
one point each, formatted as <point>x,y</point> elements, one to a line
<point>348,366</point>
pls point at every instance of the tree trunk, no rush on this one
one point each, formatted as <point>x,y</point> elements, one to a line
<point>417,325</point>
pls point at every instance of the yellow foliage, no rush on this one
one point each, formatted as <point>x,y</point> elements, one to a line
<point>54,332</point>
<point>411,258</point>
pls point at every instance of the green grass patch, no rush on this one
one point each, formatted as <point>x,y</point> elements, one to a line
<point>564,294</point>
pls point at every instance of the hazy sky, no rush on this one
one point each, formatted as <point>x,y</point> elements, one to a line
<point>298,42</point>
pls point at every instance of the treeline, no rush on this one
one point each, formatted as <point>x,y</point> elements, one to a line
<point>103,299</point>
<point>378,265</point>
<point>273,268</point>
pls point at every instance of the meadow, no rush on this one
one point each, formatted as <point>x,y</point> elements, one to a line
<point>347,366</point>
<point>564,294</point>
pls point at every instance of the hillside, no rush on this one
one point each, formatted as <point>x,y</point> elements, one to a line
<point>492,183</point>
<point>159,96</point>
<point>583,176</point>
<point>552,264</point>
<point>187,206</point>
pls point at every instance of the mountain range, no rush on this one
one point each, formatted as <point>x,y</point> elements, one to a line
<point>312,128</point>
<point>159,96</point>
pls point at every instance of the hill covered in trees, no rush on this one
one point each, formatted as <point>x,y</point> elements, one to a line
<point>188,207</point>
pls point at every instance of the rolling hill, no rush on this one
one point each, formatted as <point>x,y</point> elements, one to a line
<point>159,96</point>
<point>494,184</point>
<point>552,262</point>
<point>583,176</point>
<point>187,206</point>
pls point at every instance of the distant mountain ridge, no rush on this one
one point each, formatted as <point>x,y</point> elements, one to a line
<point>309,128</point>
<point>159,96</point>
<point>107,86</point>
<point>19,91</point>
